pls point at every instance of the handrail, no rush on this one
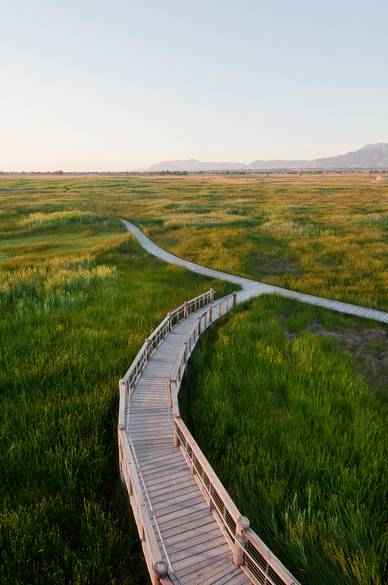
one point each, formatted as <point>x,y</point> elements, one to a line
<point>154,559</point>
<point>249,551</point>
<point>129,467</point>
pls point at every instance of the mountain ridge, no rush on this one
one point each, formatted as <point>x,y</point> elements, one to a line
<point>370,156</point>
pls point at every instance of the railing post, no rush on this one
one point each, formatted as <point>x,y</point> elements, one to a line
<point>211,494</point>
<point>169,321</point>
<point>160,570</point>
<point>176,438</point>
<point>210,314</point>
<point>242,525</point>
<point>122,403</point>
<point>148,349</point>
<point>212,295</point>
<point>169,394</point>
<point>234,298</point>
<point>185,310</point>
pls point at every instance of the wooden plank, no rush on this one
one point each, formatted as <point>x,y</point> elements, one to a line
<point>175,499</point>
<point>194,503</point>
<point>236,577</point>
<point>221,566</point>
<point>186,547</point>
<point>201,559</point>
<point>169,469</point>
<point>166,480</point>
<point>182,489</point>
<point>182,530</point>
<point>192,532</point>
<point>178,515</point>
<point>185,520</point>
<point>203,547</point>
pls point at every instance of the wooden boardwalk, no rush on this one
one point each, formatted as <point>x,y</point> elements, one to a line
<point>252,288</point>
<point>191,531</point>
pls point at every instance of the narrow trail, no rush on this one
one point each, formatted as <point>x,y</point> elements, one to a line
<point>253,288</point>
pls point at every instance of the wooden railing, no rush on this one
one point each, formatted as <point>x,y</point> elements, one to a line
<point>127,383</point>
<point>249,551</point>
<point>146,527</point>
<point>155,555</point>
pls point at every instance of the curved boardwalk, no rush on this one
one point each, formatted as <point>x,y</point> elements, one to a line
<point>251,288</point>
<point>191,531</point>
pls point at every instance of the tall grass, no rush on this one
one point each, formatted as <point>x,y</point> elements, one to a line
<point>70,324</point>
<point>298,437</point>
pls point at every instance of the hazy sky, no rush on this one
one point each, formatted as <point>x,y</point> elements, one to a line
<point>114,84</point>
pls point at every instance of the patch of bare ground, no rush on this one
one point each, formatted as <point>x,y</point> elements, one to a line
<point>368,345</point>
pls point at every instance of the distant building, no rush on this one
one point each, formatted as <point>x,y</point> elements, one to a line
<point>378,179</point>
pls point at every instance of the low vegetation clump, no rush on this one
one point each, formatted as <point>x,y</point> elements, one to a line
<point>58,218</point>
<point>297,435</point>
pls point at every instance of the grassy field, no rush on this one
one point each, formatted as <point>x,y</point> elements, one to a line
<point>326,235</point>
<point>77,298</point>
<point>280,397</point>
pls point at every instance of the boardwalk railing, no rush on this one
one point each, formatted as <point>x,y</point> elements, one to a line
<point>152,342</point>
<point>249,551</point>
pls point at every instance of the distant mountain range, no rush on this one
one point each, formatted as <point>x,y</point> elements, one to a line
<point>371,156</point>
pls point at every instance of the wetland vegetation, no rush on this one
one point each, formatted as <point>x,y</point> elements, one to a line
<point>296,431</point>
<point>77,298</point>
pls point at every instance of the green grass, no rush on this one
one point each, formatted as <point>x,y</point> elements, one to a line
<point>297,435</point>
<point>319,234</point>
<point>73,314</point>
<point>77,299</point>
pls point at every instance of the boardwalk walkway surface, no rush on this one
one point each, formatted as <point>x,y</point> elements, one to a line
<point>252,288</point>
<point>191,531</point>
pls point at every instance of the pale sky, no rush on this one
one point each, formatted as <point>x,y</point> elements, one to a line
<point>115,85</point>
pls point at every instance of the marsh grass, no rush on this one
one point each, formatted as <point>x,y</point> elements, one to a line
<point>78,296</point>
<point>73,313</point>
<point>297,436</point>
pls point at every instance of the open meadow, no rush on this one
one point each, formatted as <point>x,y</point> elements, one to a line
<point>77,299</point>
<point>287,401</point>
<point>320,234</point>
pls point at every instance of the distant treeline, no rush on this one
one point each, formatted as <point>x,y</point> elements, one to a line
<point>194,173</point>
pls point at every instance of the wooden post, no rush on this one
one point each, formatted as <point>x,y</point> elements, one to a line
<point>210,314</point>
<point>160,570</point>
<point>185,310</point>
<point>176,438</point>
<point>242,525</point>
<point>199,326</point>
<point>211,494</point>
<point>212,295</point>
<point>169,394</point>
<point>234,298</point>
<point>169,321</point>
<point>123,403</point>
